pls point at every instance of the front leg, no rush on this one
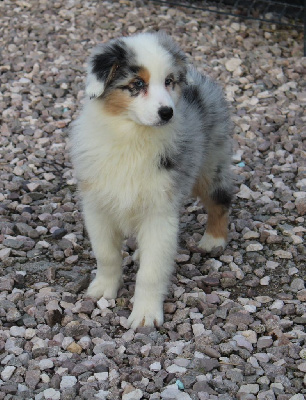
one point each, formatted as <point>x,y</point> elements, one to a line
<point>106,243</point>
<point>157,241</point>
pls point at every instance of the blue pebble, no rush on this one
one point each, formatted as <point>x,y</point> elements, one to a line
<point>180,384</point>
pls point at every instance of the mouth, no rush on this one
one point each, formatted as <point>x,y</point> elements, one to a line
<point>162,123</point>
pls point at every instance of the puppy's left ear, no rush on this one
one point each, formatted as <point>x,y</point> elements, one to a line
<point>103,65</point>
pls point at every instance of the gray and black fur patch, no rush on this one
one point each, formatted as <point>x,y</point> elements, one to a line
<point>222,196</point>
<point>112,62</point>
<point>166,162</point>
<point>192,95</point>
<point>172,48</point>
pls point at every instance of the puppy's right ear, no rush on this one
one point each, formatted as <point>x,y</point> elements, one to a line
<point>103,66</point>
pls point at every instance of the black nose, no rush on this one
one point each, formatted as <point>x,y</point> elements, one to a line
<point>165,113</point>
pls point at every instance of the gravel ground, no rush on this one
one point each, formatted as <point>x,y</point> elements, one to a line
<point>234,323</point>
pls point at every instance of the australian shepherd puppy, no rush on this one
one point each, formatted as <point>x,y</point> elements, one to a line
<point>153,131</point>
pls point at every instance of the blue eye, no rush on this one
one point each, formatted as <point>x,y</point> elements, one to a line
<point>139,83</point>
<point>168,81</point>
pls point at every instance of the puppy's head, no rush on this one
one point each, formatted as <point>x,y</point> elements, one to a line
<point>138,77</point>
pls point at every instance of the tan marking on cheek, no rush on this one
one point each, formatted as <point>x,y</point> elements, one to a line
<point>144,74</point>
<point>116,102</point>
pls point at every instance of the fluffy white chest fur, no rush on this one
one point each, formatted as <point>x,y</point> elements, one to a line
<point>118,167</point>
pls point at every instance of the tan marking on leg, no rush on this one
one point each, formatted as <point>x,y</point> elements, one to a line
<point>116,102</point>
<point>217,221</point>
<point>200,188</point>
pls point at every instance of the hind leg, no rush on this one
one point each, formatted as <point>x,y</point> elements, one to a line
<point>216,200</point>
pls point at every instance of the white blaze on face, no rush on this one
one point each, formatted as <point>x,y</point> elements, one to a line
<point>144,108</point>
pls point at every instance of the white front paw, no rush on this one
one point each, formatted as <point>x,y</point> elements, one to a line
<point>208,242</point>
<point>146,313</point>
<point>104,287</point>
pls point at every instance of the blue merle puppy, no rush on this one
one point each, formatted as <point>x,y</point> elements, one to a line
<point>153,131</point>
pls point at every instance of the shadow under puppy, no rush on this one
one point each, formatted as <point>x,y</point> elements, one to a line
<point>152,131</point>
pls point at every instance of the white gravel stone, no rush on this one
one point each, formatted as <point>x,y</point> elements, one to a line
<point>266,395</point>
<point>297,284</point>
<point>17,331</point>
<point>297,397</point>
<point>251,235</point>
<point>22,388</point>
<point>250,308</point>
<point>102,394</point>
<point>7,373</point>
<point>176,347</point>
<point>68,381</point>
<point>172,392</point>
<point>32,186</point>
<point>278,386</point>
<point>283,254</point>
<point>265,280</point>
<point>243,342</point>
<point>264,299</point>
<point>245,192</point>
<point>85,342</point>
<point>101,376</point>
<point>102,303</point>
<point>182,362</point>
<point>156,366</point>
<point>272,264</point>
<point>52,394</point>
<point>297,239</point>
<point>5,253</point>
<point>134,395</point>
<point>46,364</point>
<point>254,247</point>
<point>254,362</point>
<point>293,271</point>
<point>249,388</point>
<point>61,371</point>
<point>129,335</point>
<point>145,350</point>
<point>176,369</point>
<point>66,342</point>
<point>232,64</point>
<point>250,336</point>
<point>302,367</point>
<point>303,354</point>
<point>277,305</point>
<point>262,357</point>
<point>198,329</point>
<point>45,378</point>
<point>264,342</point>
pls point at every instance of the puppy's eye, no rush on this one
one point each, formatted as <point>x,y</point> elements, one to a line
<point>139,83</point>
<point>168,81</point>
